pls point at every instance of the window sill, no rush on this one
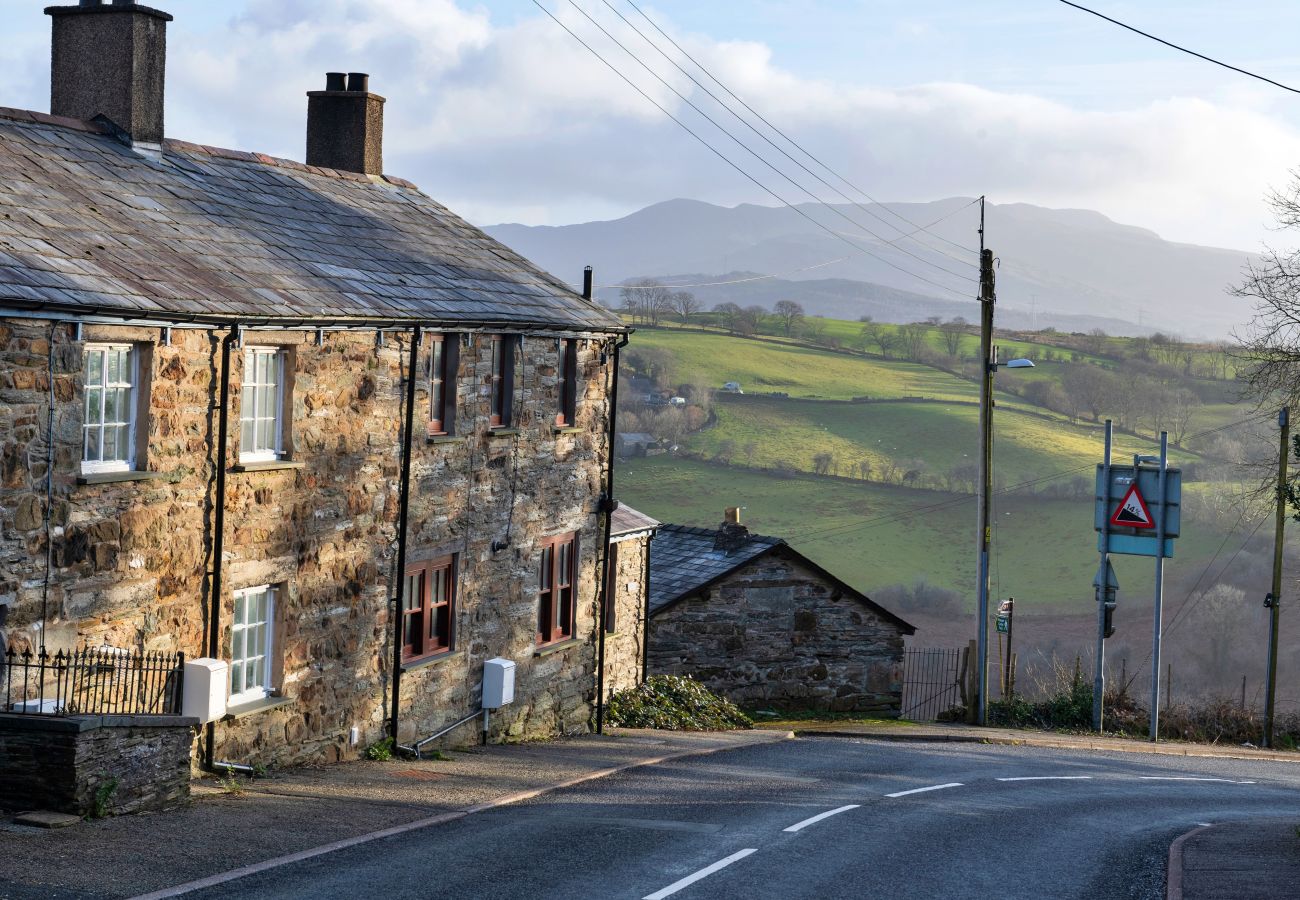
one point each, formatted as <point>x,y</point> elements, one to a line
<point>416,665</point>
<point>115,477</point>
<point>504,432</point>
<point>567,429</point>
<point>252,707</point>
<point>444,438</point>
<point>269,466</point>
<point>548,649</point>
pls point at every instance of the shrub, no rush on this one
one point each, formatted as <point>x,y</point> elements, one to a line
<point>674,703</point>
<point>381,751</point>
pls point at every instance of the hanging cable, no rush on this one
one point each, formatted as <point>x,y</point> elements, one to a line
<point>791,140</point>
<point>737,167</point>
<point>778,148</point>
<point>1158,40</point>
<point>797,185</point>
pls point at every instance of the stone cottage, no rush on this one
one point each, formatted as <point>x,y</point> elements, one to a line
<point>752,618</point>
<point>297,417</point>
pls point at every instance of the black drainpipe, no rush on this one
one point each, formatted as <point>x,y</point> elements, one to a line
<point>219,525</point>
<point>608,505</point>
<point>645,623</point>
<point>402,506</point>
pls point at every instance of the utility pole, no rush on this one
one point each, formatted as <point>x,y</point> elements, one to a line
<point>987,298</point>
<point>1274,601</point>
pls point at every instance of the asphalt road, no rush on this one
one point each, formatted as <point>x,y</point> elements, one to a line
<point>818,818</point>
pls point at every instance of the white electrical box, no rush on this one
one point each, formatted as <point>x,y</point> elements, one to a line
<point>207,685</point>
<point>498,683</point>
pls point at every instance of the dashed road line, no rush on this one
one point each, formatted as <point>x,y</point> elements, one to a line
<point>1191,778</point>
<point>933,787</point>
<point>702,873</point>
<point>1049,778</point>
<point>800,826</point>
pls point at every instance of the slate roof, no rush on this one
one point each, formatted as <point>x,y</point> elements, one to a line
<point>683,562</point>
<point>627,520</point>
<point>209,235</point>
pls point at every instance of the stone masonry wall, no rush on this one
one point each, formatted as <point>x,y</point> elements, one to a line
<point>624,646</point>
<point>775,635</point>
<point>130,558</point>
<point>126,763</point>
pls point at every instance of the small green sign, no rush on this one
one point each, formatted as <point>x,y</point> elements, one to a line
<point>1002,624</point>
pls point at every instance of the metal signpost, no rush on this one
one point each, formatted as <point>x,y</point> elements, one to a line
<point>1137,513</point>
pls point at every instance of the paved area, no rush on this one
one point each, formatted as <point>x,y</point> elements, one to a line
<point>815,818</point>
<point>250,821</point>
<point>1237,861</point>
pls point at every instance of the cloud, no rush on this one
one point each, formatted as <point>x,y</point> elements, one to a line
<point>518,122</point>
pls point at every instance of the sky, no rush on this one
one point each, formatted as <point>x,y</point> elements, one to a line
<point>498,113</point>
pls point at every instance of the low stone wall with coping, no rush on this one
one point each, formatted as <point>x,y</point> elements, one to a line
<point>94,765</point>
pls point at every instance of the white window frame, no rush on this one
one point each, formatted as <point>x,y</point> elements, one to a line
<point>256,652</point>
<point>132,385</point>
<point>248,393</point>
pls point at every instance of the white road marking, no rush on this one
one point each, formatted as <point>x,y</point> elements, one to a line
<point>703,873</point>
<point>1049,778</point>
<point>1190,778</point>
<point>933,787</point>
<point>1206,824</point>
<point>799,826</point>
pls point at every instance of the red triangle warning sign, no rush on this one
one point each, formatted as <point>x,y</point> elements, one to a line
<point>1133,512</point>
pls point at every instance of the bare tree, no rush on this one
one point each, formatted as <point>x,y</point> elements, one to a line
<point>728,315</point>
<point>752,320</point>
<point>951,332</point>
<point>749,449</point>
<point>912,338</point>
<point>822,463</point>
<point>789,312</point>
<point>685,305</point>
<point>882,336</point>
<point>1270,345</point>
<point>647,300</point>
<point>1087,387</point>
<point>726,451</point>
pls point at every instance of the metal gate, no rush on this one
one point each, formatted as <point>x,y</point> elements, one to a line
<point>932,682</point>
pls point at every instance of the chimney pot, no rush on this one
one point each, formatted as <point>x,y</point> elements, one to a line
<point>732,515</point>
<point>111,61</point>
<point>345,125</point>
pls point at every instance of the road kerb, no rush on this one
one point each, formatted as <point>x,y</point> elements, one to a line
<point>930,737</point>
<point>1174,879</point>
<point>440,819</point>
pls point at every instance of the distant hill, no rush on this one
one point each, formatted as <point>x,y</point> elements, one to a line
<point>1072,269</point>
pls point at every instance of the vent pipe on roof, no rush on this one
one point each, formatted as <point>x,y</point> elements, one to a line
<point>345,125</point>
<point>111,61</point>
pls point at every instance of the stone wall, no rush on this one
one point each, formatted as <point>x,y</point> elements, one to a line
<point>623,647</point>
<point>130,558</point>
<point>774,634</point>
<point>125,764</point>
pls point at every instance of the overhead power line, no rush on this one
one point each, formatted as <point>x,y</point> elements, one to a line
<point>742,120</point>
<point>1159,40</point>
<point>787,138</point>
<point>762,159</point>
<point>784,202</point>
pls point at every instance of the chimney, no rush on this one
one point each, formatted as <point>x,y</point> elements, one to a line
<point>110,60</point>
<point>731,534</point>
<point>345,125</point>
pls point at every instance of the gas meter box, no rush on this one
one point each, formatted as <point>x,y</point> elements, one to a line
<point>498,683</point>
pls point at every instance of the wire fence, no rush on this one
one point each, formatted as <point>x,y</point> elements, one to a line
<point>92,681</point>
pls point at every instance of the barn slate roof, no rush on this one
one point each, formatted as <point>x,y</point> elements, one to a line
<point>684,562</point>
<point>90,226</point>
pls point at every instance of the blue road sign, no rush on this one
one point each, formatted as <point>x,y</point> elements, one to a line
<point>1135,498</point>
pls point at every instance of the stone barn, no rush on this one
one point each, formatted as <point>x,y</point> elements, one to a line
<point>757,621</point>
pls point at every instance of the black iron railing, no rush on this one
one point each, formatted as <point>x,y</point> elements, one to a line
<point>92,681</point>
<point>931,682</point>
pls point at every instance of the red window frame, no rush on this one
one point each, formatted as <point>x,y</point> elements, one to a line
<point>429,609</point>
<point>503,377</point>
<point>444,365</point>
<point>557,588</point>
<point>567,378</point>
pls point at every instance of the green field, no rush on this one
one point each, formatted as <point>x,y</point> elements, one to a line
<point>875,535</point>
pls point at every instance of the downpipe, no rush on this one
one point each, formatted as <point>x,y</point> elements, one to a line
<point>609,504</point>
